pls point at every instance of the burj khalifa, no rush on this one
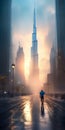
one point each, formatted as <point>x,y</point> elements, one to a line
<point>34,51</point>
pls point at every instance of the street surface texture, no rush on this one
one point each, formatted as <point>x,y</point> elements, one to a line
<point>27,113</point>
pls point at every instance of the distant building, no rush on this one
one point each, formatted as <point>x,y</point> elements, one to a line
<point>53,67</point>
<point>5,36</point>
<point>60,20</point>
<point>34,73</point>
<point>20,74</point>
<point>53,60</point>
<point>50,85</point>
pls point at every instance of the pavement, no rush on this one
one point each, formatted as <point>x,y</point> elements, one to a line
<point>27,113</point>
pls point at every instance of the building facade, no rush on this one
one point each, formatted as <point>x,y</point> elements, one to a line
<point>52,60</point>
<point>60,20</point>
<point>20,74</point>
<point>5,36</point>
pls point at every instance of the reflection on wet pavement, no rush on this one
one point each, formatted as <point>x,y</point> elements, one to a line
<point>27,113</point>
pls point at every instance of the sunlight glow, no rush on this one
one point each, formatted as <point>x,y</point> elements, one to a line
<point>22,28</point>
<point>27,112</point>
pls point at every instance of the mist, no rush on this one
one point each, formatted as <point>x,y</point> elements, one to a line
<point>22,27</point>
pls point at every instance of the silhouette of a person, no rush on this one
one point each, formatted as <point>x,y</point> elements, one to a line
<point>42,93</point>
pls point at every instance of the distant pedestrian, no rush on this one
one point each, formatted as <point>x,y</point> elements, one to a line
<point>42,93</point>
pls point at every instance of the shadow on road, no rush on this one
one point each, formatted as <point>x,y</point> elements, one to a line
<point>42,110</point>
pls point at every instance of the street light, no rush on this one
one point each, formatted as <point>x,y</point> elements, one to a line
<point>13,67</point>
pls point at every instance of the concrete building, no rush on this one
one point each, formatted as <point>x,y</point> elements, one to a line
<point>5,41</point>
<point>60,20</point>
<point>20,74</point>
<point>53,60</point>
<point>5,36</point>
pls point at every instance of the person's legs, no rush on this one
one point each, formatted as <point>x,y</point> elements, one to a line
<point>42,100</point>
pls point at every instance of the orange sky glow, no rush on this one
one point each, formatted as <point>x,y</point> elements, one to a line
<point>22,28</point>
<point>43,51</point>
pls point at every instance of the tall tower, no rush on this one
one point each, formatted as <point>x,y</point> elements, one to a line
<point>53,60</point>
<point>60,20</point>
<point>20,65</point>
<point>5,36</point>
<point>34,51</point>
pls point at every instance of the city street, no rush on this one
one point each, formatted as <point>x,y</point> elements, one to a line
<point>26,113</point>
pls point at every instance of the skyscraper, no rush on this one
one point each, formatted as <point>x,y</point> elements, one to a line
<point>53,60</point>
<point>5,36</point>
<point>34,51</point>
<point>60,20</point>
<point>20,65</point>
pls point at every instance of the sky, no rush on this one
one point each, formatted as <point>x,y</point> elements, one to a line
<point>22,28</point>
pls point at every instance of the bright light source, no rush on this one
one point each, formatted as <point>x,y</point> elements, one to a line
<point>5,92</point>
<point>13,66</point>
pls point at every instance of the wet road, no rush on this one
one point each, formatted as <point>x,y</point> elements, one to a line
<point>26,113</point>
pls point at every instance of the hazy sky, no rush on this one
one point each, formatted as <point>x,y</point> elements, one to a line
<point>22,26</point>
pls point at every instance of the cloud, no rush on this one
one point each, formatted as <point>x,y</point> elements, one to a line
<point>51,10</point>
